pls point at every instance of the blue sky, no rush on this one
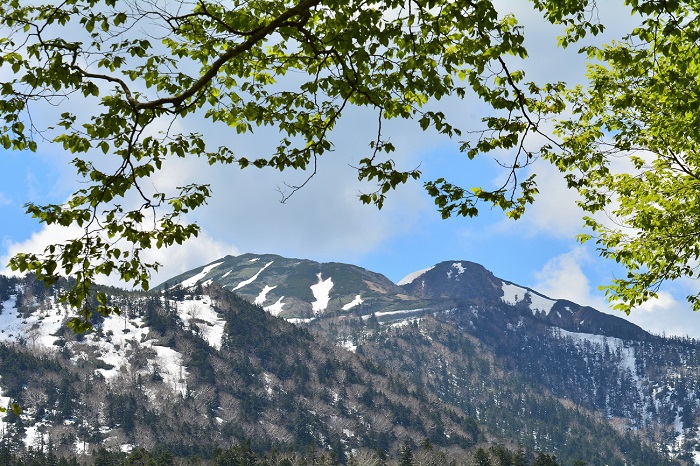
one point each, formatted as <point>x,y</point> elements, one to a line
<point>325,221</point>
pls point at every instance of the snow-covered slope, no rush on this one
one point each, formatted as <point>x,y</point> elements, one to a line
<point>513,295</point>
<point>413,275</point>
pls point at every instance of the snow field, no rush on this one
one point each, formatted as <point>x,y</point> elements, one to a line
<point>540,303</point>
<point>355,302</point>
<point>172,369</point>
<point>36,329</point>
<point>5,403</point>
<point>276,308</point>
<point>513,294</point>
<point>200,314</point>
<point>125,336</point>
<point>321,291</point>
<point>413,275</point>
<point>260,299</point>
<point>253,278</point>
<point>193,280</point>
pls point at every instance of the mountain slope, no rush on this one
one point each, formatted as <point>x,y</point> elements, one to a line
<point>453,354</point>
<point>569,352</point>
<point>297,288</point>
<point>194,372</point>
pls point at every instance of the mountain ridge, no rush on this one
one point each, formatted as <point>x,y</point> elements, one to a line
<point>302,289</point>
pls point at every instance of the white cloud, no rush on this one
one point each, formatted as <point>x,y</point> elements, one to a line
<point>662,303</point>
<point>555,212</point>
<point>667,315</point>
<point>37,243</point>
<point>174,260</point>
<point>563,278</point>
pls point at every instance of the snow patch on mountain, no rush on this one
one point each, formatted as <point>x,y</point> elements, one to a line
<point>172,369</point>
<point>408,312</point>
<point>276,308</point>
<point>253,278</point>
<point>200,317</point>
<point>355,302</point>
<point>193,280</point>
<point>513,294</point>
<point>123,337</point>
<point>458,267</point>
<point>412,276</point>
<point>260,299</point>
<point>321,291</point>
<point>628,359</point>
<point>10,323</point>
<point>404,323</point>
<point>36,329</point>
<point>5,403</point>
<point>33,438</point>
<point>349,345</point>
<point>540,303</point>
<point>116,341</point>
<point>300,321</point>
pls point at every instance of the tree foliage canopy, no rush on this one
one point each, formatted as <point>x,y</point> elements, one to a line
<point>632,151</point>
<point>142,65</point>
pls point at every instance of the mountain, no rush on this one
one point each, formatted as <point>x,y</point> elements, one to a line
<point>298,288</point>
<point>469,283</point>
<point>286,352</point>
<point>301,289</point>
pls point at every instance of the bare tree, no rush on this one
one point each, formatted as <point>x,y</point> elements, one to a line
<point>193,311</point>
<point>33,397</point>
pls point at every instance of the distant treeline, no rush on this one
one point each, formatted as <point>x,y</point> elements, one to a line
<point>244,455</point>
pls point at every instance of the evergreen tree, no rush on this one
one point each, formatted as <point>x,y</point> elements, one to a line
<point>236,456</point>
<point>520,458</point>
<point>505,457</point>
<point>481,458</point>
<point>406,454</point>
<point>545,460</point>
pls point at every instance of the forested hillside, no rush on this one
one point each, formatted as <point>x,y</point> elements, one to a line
<point>193,369</point>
